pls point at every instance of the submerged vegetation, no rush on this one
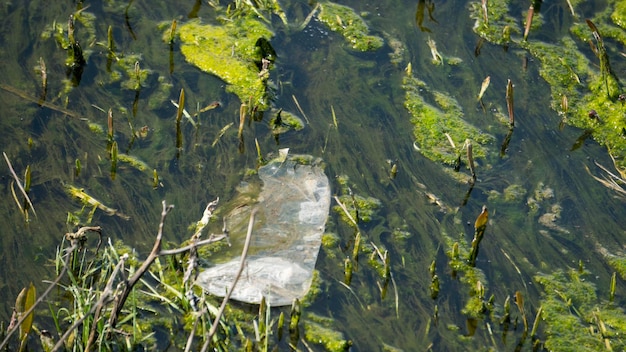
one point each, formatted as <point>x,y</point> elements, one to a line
<point>350,25</point>
<point>231,54</point>
<point>441,132</point>
<point>400,257</point>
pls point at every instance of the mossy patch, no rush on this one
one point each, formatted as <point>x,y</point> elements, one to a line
<point>360,208</point>
<point>497,26</point>
<point>573,318</point>
<point>440,131</point>
<point>230,52</point>
<point>597,108</point>
<point>320,330</point>
<point>584,96</point>
<point>284,121</point>
<point>514,193</point>
<point>345,21</point>
<point>619,14</point>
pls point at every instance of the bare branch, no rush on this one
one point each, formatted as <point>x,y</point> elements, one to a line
<point>128,286</point>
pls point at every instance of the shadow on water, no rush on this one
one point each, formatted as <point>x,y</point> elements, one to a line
<point>545,211</point>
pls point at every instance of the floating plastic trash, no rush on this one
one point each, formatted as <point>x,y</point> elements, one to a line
<point>292,208</point>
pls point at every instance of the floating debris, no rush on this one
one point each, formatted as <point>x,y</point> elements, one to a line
<point>292,208</point>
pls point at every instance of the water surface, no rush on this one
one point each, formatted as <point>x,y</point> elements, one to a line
<point>373,127</point>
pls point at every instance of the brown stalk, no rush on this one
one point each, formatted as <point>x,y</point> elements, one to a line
<point>44,80</point>
<point>110,124</point>
<point>470,159</point>
<point>509,103</point>
<point>529,20</point>
<point>242,120</point>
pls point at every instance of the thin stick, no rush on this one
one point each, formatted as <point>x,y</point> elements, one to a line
<point>213,238</point>
<point>343,207</point>
<point>397,296</point>
<point>46,104</point>
<point>192,333</point>
<point>308,18</point>
<point>19,184</point>
<point>300,108</point>
<point>519,272</point>
<point>242,264</point>
<point>571,8</point>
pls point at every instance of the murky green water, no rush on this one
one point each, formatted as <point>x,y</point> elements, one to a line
<point>559,217</point>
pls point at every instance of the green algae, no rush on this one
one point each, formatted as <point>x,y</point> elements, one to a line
<point>514,193</point>
<point>320,330</point>
<point>135,75</point>
<point>619,264</point>
<point>619,14</point>
<point>330,240</point>
<point>573,317</point>
<point>230,52</point>
<point>284,121</point>
<point>59,30</point>
<point>498,25</point>
<point>350,25</point>
<point>133,162</point>
<point>565,68</point>
<point>471,277</point>
<point>592,94</point>
<point>436,125</point>
<point>360,208</point>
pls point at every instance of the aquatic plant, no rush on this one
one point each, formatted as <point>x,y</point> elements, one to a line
<point>230,52</point>
<point>575,319</point>
<point>593,94</point>
<point>440,130</point>
<point>351,26</point>
<point>90,276</point>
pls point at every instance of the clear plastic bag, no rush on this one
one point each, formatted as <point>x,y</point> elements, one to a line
<point>292,208</point>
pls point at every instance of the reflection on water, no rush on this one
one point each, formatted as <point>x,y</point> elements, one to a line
<point>546,212</point>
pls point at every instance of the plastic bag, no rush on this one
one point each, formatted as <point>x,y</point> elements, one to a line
<point>292,208</point>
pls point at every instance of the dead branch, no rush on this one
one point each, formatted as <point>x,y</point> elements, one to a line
<point>130,283</point>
